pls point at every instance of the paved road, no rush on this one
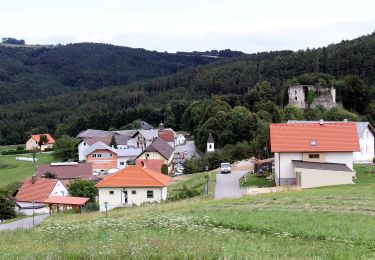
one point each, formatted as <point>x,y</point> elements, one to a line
<point>23,223</point>
<point>228,185</point>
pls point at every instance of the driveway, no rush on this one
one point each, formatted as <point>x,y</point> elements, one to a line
<point>23,223</point>
<point>228,185</point>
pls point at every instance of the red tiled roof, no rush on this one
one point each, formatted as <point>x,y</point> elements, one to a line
<point>166,135</point>
<point>134,176</point>
<point>328,137</point>
<point>151,164</point>
<point>38,192</point>
<point>66,200</point>
<point>74,171</point>
<point>49,137</point>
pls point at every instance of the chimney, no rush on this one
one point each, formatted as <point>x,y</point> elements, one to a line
<point>345,120</point>
<point>33,179</point>
<point>161,127</point>
<point>321,122</point>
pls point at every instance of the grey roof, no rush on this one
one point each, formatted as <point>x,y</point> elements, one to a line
<point>361,126</point>
<point>129,152</point>
<point>146,126</point>
<point>126,132</point>
<point>98,146</point>
<point>122,139</point>
<point>210,139</point>
<point>93,133</point>
<point>90,141</point>
<point>321,166</point>
<point>160,146</point>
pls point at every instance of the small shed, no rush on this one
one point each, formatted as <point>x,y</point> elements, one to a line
<point>56,203</point>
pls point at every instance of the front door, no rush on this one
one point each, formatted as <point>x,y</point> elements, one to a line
<point>124,197</point>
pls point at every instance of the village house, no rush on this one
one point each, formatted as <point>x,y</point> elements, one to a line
<point>144,138</point>
<point>33,142</point>
<point>167,135</point>
<point>66,170</point>
<point>34,191</point>
<point>159,152</point>
<point>105,158</point>
<point>133,185</point>
<point>314,154</point>
<point>180,140</point>
<point>366,133</point>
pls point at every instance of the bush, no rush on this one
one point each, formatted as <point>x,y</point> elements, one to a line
<point>10,189</point>
<point>164,169</point>
<point>92,206</point>
<point>12,152</point>
<point>83,188</point>
<point>7,206</point>
<point>186,193</point>
<point>48,149</point>
<point>20,148</point>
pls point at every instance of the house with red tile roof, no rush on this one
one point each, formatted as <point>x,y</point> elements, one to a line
<point>314,154</point>
<point>33,142</point>
<point>133,185</point>
<point>34,191</point>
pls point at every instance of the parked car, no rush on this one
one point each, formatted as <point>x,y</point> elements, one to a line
<point>225,167</point>
<point>177,174</point>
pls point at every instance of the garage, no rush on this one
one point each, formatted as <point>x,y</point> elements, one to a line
<point>317,174</point>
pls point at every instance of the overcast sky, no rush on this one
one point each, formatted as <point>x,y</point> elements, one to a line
<point>176,25</point>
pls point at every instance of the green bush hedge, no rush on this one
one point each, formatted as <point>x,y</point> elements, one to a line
<point>11,152</point>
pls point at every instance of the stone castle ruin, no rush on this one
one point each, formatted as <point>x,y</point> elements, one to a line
<point>303,96</point>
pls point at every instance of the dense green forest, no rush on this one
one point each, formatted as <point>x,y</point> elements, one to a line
<point>30,73</point>
<point>256,83</point>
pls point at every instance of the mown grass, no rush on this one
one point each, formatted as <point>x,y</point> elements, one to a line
<point>252,180</point>
<point>325,223</point>
<point>12,170</point>
<point>10,147</point>
<point>195,181</point>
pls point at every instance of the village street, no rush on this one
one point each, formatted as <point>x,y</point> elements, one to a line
<point>23,223</point>
<point>228,185</point>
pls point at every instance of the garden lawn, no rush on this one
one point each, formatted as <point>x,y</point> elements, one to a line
<point>324,223</point>
<point>12,170</point>
<point>194,181</point>
<point>252,180</point>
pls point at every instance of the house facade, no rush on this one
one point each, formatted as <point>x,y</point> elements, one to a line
<point>101,156</point>
<point>366,133</point>
<point>133,185</point>
<point>33,142</point>
<point>313,147</point>
<point>210,144</point>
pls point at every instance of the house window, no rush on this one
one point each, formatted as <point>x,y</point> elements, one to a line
<point>295,98</point>
<point>150,194</point>
<point>295,92</point>
<point>314,156</point>
<point>134,192</point>
<point>210,146</point>
<point>147,155</point>
<point>111,192</point>
<point>122,163</point>
<point>94,155</point>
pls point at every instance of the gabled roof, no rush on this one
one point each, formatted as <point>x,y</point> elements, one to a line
<point>80,201</point>
<point>49,137</point>
<point>146,126</point>
<point>134,176</point>
<point>361,126</point>
<point>167,135</point>
<point>129,132</point>
<point>310,137</point>
<point>37,192</point>
<point>129,152</point>
<point>160,146</point>
<point>90,133</point>
<point>92,140</point>
<point>121,139</point>
<point>153,165</point>
<point>98,146</point>
<point>69,171</point>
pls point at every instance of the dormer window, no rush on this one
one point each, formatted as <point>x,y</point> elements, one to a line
<point>313,143</point>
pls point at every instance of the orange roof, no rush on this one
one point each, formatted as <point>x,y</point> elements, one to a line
<point>134,176</point>
<point>37,192</point>
<point>49,137</point>
<point>166,135</point>
<point>328,137</point>
<point>66,200</point>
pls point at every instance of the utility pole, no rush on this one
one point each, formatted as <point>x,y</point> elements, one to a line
<point>33,212</point>
<point>106,209</point>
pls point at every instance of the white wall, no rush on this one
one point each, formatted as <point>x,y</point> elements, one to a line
<point>82,146</point>
<point>59,190</point>
<point>366,143</point>
<point>210,147</point>
<point>286,167</point>
<point>311,178</point>
<point>117,199</point>
<point>340,157</point>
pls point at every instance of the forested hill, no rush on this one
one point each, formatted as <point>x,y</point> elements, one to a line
<point>257,82</point>
<point>27,73</point>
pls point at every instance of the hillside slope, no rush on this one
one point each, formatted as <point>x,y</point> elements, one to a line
<point>30,73</point>
<point>325,223</point>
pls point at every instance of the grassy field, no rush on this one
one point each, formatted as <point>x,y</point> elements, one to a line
<point>10,147</point>
<point>193,181</point>
<point>324,223</point>
<point>12,170</point>
<point>252,180</point>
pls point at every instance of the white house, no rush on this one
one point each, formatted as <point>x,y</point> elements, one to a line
<point>314,154</point>
<point>210,144</point>
<point>33,142</point>
<point>34,191</point>
<point>133,185</point>
<point>366,133</point>
<point>180,140</point>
